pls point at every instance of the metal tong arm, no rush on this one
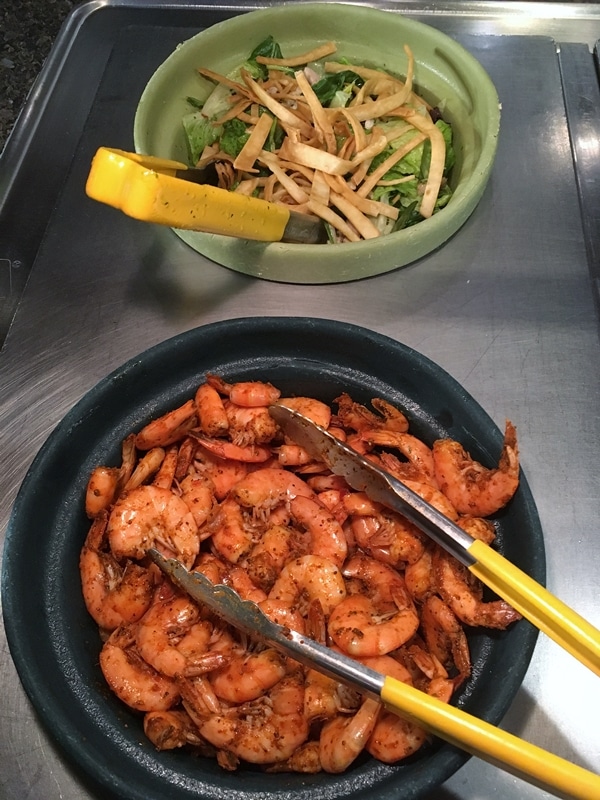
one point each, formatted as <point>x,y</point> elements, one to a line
<point>549,614</point>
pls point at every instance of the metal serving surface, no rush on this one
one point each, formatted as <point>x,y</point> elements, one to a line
<point>506,307</point>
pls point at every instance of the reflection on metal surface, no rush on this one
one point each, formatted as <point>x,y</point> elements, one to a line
<point>582,101</point>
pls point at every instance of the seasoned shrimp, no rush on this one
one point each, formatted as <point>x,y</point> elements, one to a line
<point>324,697</point>
<point>247,676</point>
<point>269,555</point>
<point>168,730</point>
<point>153,517</point>
<point>165,475</point>
<point>146,468</point>
<point>250,425</point>
<point>359,418</point>
<point>282,614</point>
<point>172,638</point>
<point>223,473</point>
<point>245,393</point>
<point>445,637</point>
<point>472,488</point>
<point>198,494</point>
<point>265,489</point>
<point>419,576</point>
<point>210,410</point>
<point>168,428</point>
<point>462,591</point>
<point>113,595</point>
<point>315,410</point>
<point>379,621</point>
<point>304,759</point>
<point>478,528</point>
<point>134,681</point>
<point>249,453</point>
<point>389,537</point>
<point>310,578</point>
<point>434,497</point>
<point>101,490</point>
<point>344,737</point>
<point>266,730</point>
<point>327,538</point>
<point>395,738</point>
<point>232,536</point>
<point>418,454</point>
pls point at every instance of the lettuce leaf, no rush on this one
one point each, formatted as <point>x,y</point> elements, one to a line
<point>234,137</point>
<point>199,133</point>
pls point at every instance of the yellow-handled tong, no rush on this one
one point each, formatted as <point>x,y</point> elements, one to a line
<point>166,192</point>
<point>514,755</point>
<point>561,623</point>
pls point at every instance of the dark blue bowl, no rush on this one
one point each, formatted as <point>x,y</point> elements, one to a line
<point>54,642</point>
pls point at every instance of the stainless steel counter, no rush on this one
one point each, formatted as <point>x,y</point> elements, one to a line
<point>506,307</point>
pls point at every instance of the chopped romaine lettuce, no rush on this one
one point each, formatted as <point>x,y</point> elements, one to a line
<point>199,132</point>
<point>234,137</point>
<point>217,102</point>
<point>329,85</point>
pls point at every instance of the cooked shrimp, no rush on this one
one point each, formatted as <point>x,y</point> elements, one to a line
<point>395,738</point>
<point>478,528</point>
<point>168,730</point>
<point>146,468</point>
<point>282,614</point>
<point>153,517</point>
<point>243,584</point>
<point>463,593</point>
<point>445,637</point>
<point>249,454</point>
<point>315,410</point>
<point>113,595</point>
<point>389,537</point>
<point>245,393</point>
<point>198,494</point>
<point>223,473</point>
<point>309,578</point>
<point>359,418</point>
<point>172,638</point>
<point>165,474</point>
<point>343,738</point>
<point>472,488</point>
<point>304,759</point>
<point>210,411</point>
<point>101,490</point>
<point>434,497</point>
<point>419,576</point>
<point>247,676</point>
<point>186,452</point>
<point>378,621</point>
<point>250,425</point>
<point>292,455</point>
<point>416,451</point>
<point>264,731</point>
<point>232,536</point>
<point>134,681</point>
<point>168,428</point>
<point>264,489</point>
<point>268,556</point>
<point>325,697</point>
<point>327,538</point>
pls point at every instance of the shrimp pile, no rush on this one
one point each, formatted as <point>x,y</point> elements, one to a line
<point>216,484</point>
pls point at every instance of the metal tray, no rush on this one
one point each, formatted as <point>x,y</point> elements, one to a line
<point>506,307</point>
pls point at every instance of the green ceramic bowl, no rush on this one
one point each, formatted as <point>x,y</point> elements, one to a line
<point>445,74</point>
